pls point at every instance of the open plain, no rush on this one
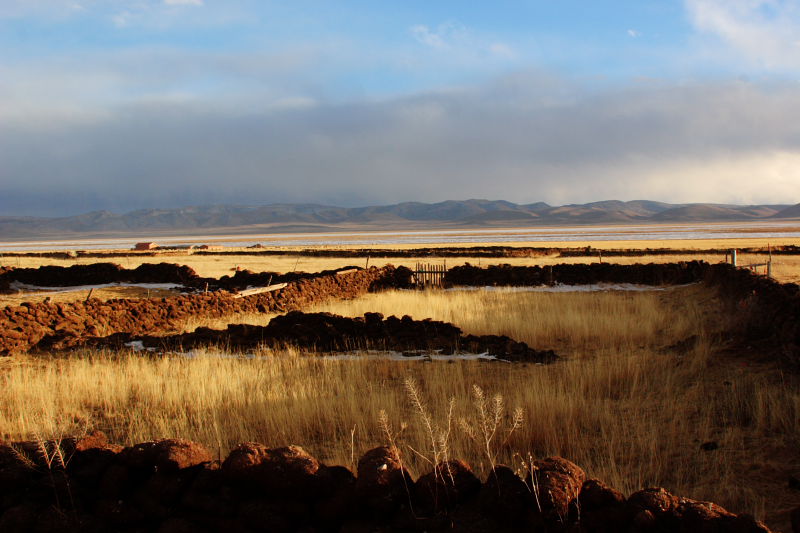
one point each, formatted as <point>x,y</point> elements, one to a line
<point>654,386</point>
<point>389,267</point>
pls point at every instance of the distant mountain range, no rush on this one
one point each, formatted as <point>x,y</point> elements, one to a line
<point>216,219</point>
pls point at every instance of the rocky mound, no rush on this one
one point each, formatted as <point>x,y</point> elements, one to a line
<point>101,273</point>
<point>768,311</point>
<point>326,332</point>
<point>176,486</point>
<point>578,274</point>
<point>29,324</point>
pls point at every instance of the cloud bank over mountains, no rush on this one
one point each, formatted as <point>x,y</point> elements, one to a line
<point>164,125</point>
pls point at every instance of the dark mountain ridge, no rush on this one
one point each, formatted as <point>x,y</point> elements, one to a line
<point>450,213</point>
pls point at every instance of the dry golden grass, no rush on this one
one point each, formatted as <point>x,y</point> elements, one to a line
<point>571,321</point>
<point>624,405</point>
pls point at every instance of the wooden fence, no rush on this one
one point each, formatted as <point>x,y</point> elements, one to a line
<point>428,275</point>
<point>753,267</point>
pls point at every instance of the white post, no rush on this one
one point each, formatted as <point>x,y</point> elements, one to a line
<point>733,258</point>
<point>769,262</point>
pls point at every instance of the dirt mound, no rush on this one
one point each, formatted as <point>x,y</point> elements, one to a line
<point>768,311</point>
<point>65,324</point>
<point>173,485</point>
<point>101,273</point>
<point>57,276</point>
<point>578,274</point>
<point>327,332</point>
<point>244,279</point>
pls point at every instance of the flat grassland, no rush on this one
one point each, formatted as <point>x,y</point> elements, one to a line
<point>786,268</point>
<point>651,391</point>
<point>646,381</point>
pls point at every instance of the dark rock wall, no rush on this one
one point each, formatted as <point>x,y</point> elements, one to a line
<point>26,325</point>
<point>578,274</point>
<point>325,332</point>
<point>769,311</point>
<point>175,485</point>
<point>101,273</point>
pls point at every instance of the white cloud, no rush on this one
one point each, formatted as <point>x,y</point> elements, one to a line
<point>763,32</point>
<point>445,35</point>
<point>184,2</point>
<point>451,45</point>
<point>122,19</point>
<point>502,50</point>
<point>735,142</point>
<point>424,35</point>
<point>634,33</point>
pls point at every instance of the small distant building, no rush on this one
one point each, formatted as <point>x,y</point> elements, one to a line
<point>209,247</point>
<point>141,246</point>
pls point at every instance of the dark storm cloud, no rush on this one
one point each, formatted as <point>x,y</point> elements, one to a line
<point>523,138</point>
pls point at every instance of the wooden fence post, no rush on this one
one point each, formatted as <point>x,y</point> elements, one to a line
<point>769,261</point>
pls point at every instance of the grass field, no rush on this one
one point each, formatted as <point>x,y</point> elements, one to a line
<point>631,403</point>
<point>647,377</point>
<point>786,267</point>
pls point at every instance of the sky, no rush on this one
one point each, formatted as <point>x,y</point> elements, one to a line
<point>128,104</point>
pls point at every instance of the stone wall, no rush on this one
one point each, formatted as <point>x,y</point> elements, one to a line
<point>175,486</point>
<point>578,274</point>
<point>26,325</point>
<point>325,332</point>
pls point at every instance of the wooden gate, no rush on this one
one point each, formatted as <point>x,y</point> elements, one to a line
<point>427,275</point>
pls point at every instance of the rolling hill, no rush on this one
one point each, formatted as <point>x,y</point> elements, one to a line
<point>316,217</point>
